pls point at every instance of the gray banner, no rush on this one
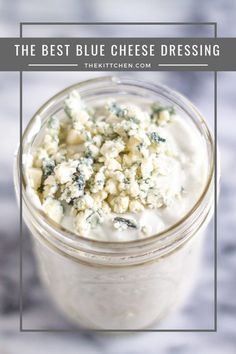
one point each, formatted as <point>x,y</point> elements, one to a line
<point>117,54</point>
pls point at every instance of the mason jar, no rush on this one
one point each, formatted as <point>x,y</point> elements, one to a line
<point>117,285</point>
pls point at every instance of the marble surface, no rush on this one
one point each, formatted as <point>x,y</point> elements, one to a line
<point>39,312</point>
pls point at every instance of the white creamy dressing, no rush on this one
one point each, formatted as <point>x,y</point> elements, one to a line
<point>130,297</point>
<point>186,169</point>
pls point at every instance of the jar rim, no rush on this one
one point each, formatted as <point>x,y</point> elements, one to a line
<point>99,246</point>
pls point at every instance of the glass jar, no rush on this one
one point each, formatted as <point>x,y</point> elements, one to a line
<point>114,285</point>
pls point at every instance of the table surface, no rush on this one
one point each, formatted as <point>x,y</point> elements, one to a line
<point>198,311</point>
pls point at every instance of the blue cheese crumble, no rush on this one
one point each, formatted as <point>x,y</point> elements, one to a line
<point>106,164</point>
